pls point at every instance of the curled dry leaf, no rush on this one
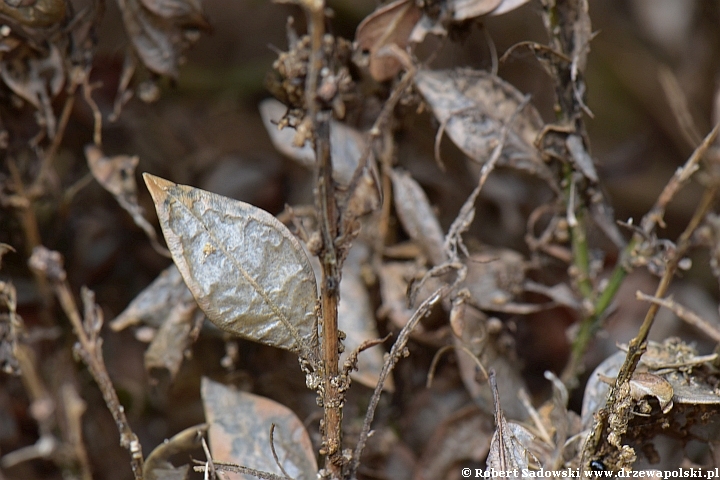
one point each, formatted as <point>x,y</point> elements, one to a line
<point>346,143</point>
<point>389,24</point>
<point>169,345</point>
<point>245,269</point>
<point>156,302</point>
<point>117,176</point>
<point>161,31</point>
<point>239,433</point>
<point>474,106</point>
<point>157,466</point>
<point>417,216</point>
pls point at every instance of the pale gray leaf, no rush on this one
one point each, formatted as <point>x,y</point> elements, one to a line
<point>417,216</point>
<point>245,269</point>
<point>346,143</point>
<point>473,107</point>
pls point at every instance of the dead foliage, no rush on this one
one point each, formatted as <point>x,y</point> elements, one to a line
<point>432,280</point>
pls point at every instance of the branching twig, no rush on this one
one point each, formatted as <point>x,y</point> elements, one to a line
<point>638,345</point>
<point>396,352</point>
<point>89,348</point>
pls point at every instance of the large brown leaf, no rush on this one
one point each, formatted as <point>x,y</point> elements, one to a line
<point>239,433</point>
<point>245,269</point>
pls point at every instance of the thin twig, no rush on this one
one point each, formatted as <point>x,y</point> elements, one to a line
<point>396,352</point>
<point>49,263</point>
<point>638,345</point>
<point>685,314</point>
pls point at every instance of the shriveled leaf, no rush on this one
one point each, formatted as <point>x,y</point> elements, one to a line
<point>161,31</point>
<point>465,9</point>
<point>37,80</point>
<point>356,319</point>
<point>168,347</point>
<point>346,143</point>
<point>117,176</point>
<point>389,24</point>
<point>157,466</point>
<point>495,279</point>
<point>245,269</point>
<point>156,302</point>
<point>474,106</point>
<point>35,14</point>
<point>476,338</point>
<point>239,433</point>
<point>508,451</point>
<point>417,216</point>
<point>395,278</point>
<point>463,436</point>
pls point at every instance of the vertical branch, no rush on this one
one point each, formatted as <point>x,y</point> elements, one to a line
<point>327,208</point>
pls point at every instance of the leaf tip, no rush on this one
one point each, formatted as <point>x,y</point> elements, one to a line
<point>156,186</point>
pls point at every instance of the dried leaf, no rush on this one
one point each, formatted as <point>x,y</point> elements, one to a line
<point>507,6</point>
<point>463,436</point>
<point>117,176</point>
<point>36,80</point>
<point>239,433</point>
<point>465,9</point>
<point>476,338</point>
<point>168,347</point>
<point>245,269</point>
<point>417,216</point>
<point>389,24</point>
<point>157,466</point>
<point>473,107</point>
<point>356,319</point>
<point>156,302</point>
<point>494,278</point>
<point>508,456</point>
<point>161,31</point>
<point>346,143</point>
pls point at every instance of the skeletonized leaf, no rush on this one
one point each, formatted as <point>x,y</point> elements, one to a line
<point>245,269</point>
<point>389,24</point>
<point>474,107</point>
<point>239,433</point>
<point>417,216</point>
